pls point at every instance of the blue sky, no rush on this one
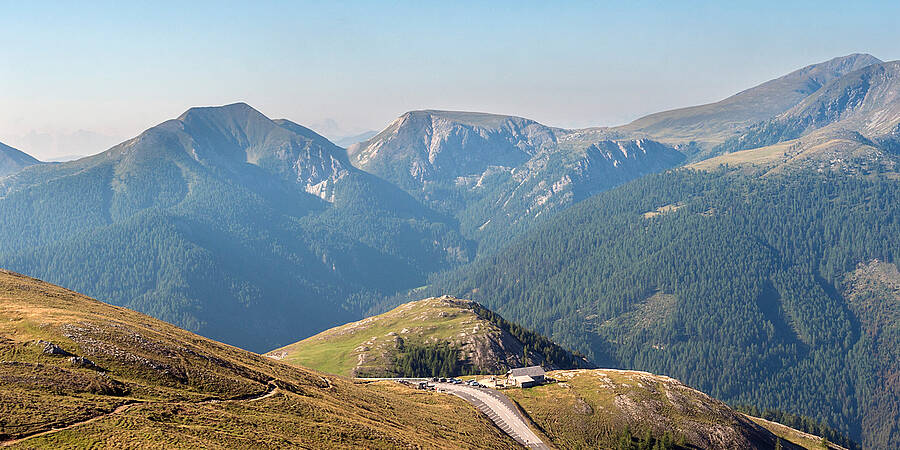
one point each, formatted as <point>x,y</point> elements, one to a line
<point>114,68</point>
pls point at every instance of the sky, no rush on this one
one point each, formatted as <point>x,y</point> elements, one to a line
<point>78,77</point>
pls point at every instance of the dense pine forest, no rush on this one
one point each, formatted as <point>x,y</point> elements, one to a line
<point>738,286</point>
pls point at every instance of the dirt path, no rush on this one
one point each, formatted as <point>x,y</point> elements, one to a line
<point>118,410</point>
<point>270,391</point>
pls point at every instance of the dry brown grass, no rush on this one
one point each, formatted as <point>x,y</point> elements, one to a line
<point>181,384</point>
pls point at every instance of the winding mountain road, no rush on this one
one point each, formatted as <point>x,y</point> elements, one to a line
<point>500,409</point>
<point>493,403</point>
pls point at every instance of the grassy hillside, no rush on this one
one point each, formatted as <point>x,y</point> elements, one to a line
<point>460,335</point>
<point>601,408</point>
<point>125,379</point>
<point>841,151</point>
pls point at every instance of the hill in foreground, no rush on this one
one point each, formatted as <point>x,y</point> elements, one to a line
<point>438,336</point>
<point>103,376</point>
<point>607,408</point>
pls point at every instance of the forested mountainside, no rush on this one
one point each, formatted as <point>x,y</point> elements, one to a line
<point>226,223</point>
<point>778,292</point>
<point>439,336</point>
<point>12,160</point>
<point>78,373</point>
<point>498,175</point>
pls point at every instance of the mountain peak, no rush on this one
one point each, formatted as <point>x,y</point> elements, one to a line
<point>475,119</point>
<point>727,118</point>
<point>233,110</point>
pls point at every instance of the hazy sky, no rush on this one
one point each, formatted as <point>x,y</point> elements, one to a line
<point>98,72</point>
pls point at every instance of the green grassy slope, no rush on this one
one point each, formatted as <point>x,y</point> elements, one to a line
<point>373,346</point>
<point>149,384</point>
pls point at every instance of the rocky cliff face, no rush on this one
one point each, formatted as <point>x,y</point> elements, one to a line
<point>497,174</point>
<point>436,146</point>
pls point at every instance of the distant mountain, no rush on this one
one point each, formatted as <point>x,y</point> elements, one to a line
<point>65,158</point>
<point>347,141</point>
<point>498,174</point>
<point>429,146</point>
<point>866,101</point>
<point>713,123</point>
<point>339,134</point>
<point>227,223</point>
<point>65,146</point>
<point>71,360</point>
<point>462,336</point>
<point>12,160</point>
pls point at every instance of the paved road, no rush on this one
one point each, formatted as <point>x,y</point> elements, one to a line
<point>500,409</point>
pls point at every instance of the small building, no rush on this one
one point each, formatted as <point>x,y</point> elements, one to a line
<point>525,376</point>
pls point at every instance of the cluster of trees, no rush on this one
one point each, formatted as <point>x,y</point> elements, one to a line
<point>646,441</point>
<point>757,268</point>
<point>430,360</point>
<point>802,423</point>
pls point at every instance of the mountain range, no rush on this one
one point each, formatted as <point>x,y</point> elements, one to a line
<point>763,278</point>
<point>498,174</point>
<point>225,222</point>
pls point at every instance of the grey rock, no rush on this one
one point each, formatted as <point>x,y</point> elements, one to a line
<point>53,349</point>
<point>81,361</point>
